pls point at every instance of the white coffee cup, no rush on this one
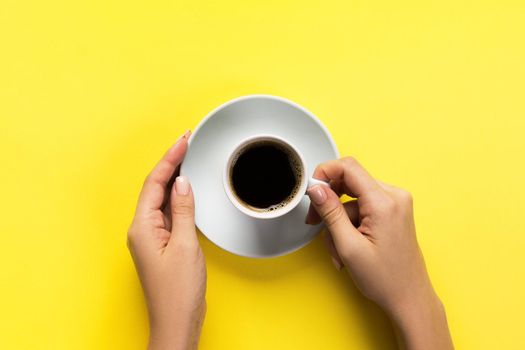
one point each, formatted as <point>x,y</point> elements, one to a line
<point>276,211</point>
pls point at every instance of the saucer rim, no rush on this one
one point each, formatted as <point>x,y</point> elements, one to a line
<point>270,97</point>
<point>275,98</point>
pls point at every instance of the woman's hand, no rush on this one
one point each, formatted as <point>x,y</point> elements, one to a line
<point>169,261</point>
<point>375,238</point>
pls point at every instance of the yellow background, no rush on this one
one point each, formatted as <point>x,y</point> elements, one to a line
<point>429,95</point>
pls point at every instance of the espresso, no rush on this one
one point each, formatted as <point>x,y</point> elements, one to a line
<point>265,175</point>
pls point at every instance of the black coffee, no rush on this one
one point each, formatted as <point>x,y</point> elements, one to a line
<point>265,175</point>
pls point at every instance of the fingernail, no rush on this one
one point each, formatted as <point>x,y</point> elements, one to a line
<point>182,185</point>
<point>317,194</point>
<point>337,264</point>
<point>186,136</point>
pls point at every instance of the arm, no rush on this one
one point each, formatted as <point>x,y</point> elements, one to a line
<point>374,236</point>
<point>422,324</point>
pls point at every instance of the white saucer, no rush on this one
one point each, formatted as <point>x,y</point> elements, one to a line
<point>210,145</point>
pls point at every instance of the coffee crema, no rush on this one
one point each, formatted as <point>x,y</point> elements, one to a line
<point>265,175</point>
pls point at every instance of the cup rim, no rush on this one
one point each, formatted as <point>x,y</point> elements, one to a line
<point>265,97</point>
<point>264,214</point>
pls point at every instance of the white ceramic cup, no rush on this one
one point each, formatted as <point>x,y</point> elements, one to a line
<point>306,181</point>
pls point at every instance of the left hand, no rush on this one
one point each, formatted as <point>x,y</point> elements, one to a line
<point>163,243</point>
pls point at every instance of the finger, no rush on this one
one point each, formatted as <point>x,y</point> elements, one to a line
<point>312,218</point>
<point>182,209</point>
<point>153,192</point>
<point>355,179</point>
<point>327,204</point>
<point>351,208</point>
<point>336,259</point>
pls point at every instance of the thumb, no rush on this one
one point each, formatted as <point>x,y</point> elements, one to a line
<point>326,202</point>
<point>182,208</point>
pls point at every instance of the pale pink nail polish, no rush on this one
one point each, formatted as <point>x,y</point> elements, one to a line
<point>317,194</point>
<point>182,185</point>
<point>186,136</point>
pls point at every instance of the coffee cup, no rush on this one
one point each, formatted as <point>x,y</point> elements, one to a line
<point>265,176</point>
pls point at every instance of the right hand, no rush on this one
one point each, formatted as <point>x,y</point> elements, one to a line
<point>374,236</point>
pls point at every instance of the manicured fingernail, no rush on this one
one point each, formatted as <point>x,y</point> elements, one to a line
<point>182,185</point>
<point>186,136</point>
<point>337,264</point>
<point>317,194</point>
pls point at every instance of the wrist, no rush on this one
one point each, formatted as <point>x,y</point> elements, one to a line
<point>413,303</point>
<point>421,322</point>
<point>417,311</point>
<point>175,334</point>
<point>169,337</point>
